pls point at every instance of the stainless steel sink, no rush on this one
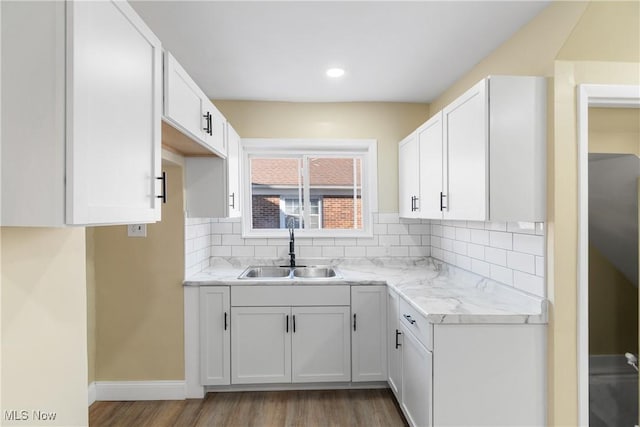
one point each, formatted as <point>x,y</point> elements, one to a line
<point>265,272</point>
<point>316,272</point>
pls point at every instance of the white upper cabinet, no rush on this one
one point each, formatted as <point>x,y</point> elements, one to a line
<point>483,157</point>
<point>430,170</point>
<point>465,157</point>
<point>188,109</point>
<point>213,184</point>
<point>88,151</point>
<point>409,175</point>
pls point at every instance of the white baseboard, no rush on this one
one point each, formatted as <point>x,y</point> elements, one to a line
<point>92,392</point>
<point>139,390</point>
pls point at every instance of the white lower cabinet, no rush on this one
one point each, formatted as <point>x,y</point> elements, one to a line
<point>416,380</point>
<point>261,345</point>
<point>394,345</point>
<point>368,335</point>
<point>215,335</point>
<point>320,344</point>
<point>290,344</point>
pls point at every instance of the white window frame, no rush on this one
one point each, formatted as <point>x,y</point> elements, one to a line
<point>367,149</point>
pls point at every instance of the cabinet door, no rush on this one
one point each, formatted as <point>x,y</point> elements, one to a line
<point>430,152</point>
<point>394,344</point>
<point>216,138</point>
<point>260,345</point>
<point>409,175</point>
<point>417,380</point>
<point>466,136</point>
<point>369,331</point>
<point>320,344</point>
<point>184,101</point>
<point>233,171</point>
<point>215,339</point>
<point>114,99</point>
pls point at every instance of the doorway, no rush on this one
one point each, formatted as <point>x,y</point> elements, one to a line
<point>608,255</point>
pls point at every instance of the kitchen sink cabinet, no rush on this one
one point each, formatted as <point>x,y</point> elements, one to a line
<point>290,344</point>
<point>215,336</point>
<point>189,110</point>
<point>483,157</point>
<point>89,150</point>
<point>368,333</point>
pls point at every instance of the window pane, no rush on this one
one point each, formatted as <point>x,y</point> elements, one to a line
<point>337,181</point>
<point>275,192</point>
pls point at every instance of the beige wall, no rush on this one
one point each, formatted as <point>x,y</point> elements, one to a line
<point>138,296</point>
<point>388,123</point>
<point>91,304</point>
<point>44,319</point>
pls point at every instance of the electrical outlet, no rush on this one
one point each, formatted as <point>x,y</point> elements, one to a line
<point>137,230</point>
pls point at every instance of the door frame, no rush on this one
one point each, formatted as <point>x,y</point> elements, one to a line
<point>604,96</point>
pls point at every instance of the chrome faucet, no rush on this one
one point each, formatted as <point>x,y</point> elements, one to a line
<point>292,240</point>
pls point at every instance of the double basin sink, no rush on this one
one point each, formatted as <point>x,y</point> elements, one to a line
<point>286,273</point>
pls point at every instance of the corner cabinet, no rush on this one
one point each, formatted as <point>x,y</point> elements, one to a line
<point>88,151</point>
<point>188,109</point>
<point>483,157</point>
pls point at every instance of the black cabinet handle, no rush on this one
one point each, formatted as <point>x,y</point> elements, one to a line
<point>287,324</point>
<point>294,323</point>
<point>354,322</point>
<point>442,197</point>
<point>210,124</point>
<point>208,129</point>
<point>409,319</point>
<point>233,200</point>
<point>398,333</point>
<point>163,196</point>
<point>225,320</point>
<point>414,203</point>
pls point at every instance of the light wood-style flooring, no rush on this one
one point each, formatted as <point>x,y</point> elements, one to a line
<point>368,408</point>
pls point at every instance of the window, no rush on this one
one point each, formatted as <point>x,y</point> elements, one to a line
<point>323,189</point>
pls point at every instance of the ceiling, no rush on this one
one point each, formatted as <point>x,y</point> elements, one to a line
<point>392,51</point>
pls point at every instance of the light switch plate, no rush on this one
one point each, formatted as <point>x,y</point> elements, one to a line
<point>137,230</point>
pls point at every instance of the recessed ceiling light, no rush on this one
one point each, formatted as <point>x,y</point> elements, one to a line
<point>335,72</point>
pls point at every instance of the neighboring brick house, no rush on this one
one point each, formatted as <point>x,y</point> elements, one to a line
<point>335,201</point>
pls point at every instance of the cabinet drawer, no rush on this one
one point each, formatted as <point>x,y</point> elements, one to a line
<point>417,324</point>
<point>286,295</point>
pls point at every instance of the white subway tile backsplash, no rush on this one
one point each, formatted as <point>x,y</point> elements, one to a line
<point>332,251</point>
<point>419,228</point>
<point>437,253</point>
<point>449,257</point>
<point>221,228</point>
<point>426,240</point>
<point>420,251</point>
<point>262,242</point>
<point>232,240</point>
<point>436,242</point>
<point>521,261</point>
<point>377,251</point>
<point>463,262</point>
<point>388,218</point>
<point>399,251</point>
<point>448,232</point>
<point>237,228</point>
<point>501,274</point>
<point>266,251</point>
<point>475,251</point>
<point>463,234</point>
<point>479,225</point>
<point>495,226</point>
<point>480,237</point>
<point>480,267</point>
<point>243,251</point>
<point>397,229</point>
<point>460,247</point>
<point>369,241</point>
<point>310,252</point>
<point>499,239</point>
<point>521,227</point>
<point>530,244</point>
<point>495,256</point>
<point>355,252</point>
<point>436,230</point>
<point>216,239</point>
<point>379,228</point>
<point>390,240</point>
<point>221,251</point>
<point>529,283</point>
<point>322,241</point>
<point>446,244</point>
<point>411,240</point>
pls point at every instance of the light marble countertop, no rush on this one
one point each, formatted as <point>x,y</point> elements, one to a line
<point>442,293</point>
